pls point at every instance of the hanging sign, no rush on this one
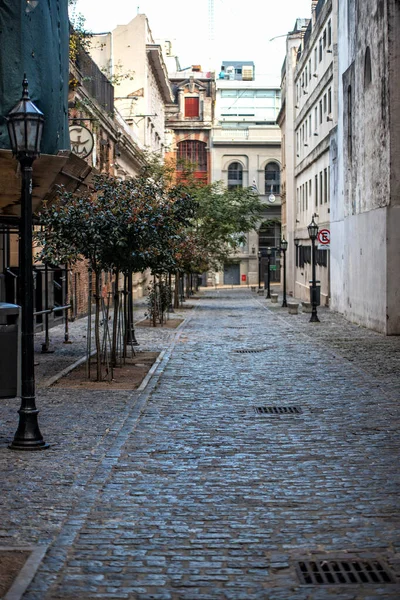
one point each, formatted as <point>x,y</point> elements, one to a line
<point>82,140</point>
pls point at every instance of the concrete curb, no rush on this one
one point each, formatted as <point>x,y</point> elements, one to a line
<point>27,573</point>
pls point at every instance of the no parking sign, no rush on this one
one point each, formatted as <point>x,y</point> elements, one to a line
<point>324,239</point>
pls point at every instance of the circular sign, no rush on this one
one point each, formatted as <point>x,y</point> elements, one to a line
<point>271,198</point>
<point>324,237</point>
<point>82,140</point>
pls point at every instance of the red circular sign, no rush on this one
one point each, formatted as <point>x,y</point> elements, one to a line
<point>324,237</point>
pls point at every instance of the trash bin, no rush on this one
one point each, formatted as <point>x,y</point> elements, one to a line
<point>9,349</point>
<point>315,293</point>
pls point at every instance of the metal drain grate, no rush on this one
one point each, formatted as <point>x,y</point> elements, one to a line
<point>343,571</point>
<point>249,350</point>
<point>278,410</point>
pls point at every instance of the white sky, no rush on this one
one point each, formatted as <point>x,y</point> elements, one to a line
<point>242,29</point>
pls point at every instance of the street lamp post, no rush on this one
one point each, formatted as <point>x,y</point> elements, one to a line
<point>283,248</point>
<point>25,126</point>
<point>259,269</point>
<point>313,232</point>
<point>269,252</point>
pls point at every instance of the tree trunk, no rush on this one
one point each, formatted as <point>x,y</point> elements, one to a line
<point>176,290</point>
<point>115,322</point>
<point>154,302</point>
<point>97,325</point>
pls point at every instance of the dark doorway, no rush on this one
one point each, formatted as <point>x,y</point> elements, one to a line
<point>232,274</point>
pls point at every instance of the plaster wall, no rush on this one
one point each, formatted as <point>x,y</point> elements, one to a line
<point>365,215</point>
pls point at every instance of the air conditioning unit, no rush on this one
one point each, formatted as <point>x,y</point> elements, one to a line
<point>315,132</point>
<point>329,117</point>
<point>315,75</point>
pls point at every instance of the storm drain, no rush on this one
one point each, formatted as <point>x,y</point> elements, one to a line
<point>278,410</point>
<point>249,350</point>
<point>344,572</point>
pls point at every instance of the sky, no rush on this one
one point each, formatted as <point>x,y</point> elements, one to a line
<point>242,29</point>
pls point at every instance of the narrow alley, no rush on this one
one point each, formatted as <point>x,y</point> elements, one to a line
<point>263,444</point>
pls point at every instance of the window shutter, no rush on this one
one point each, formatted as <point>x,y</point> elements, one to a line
<point>191,107</point>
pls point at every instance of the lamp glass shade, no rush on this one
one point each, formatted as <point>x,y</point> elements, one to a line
<point>284,244</point>
<point>269,251</point>
<point>313,230</point>
<point>25,126</point>
<point>296,241</point>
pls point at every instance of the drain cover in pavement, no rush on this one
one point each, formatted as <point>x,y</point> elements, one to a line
<point>278,410</point>
<point>344,571</point>
<point>249,350</point>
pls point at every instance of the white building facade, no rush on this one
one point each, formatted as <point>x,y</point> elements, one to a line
<point>365,182</point>
<point>246,148</point>
<point>315,84</point>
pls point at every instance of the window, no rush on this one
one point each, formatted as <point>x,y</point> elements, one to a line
<point>367,68</point>
<point>321,191</point>
<point>325,186</point>
<point>306,76</point>
<point>315,59</point>
<point>309,125</point>
<point>320,112</point>
<point>309,70</point>
<point>272,178</point>
<point>192,106</point>
<point>349,123</point>
<point>310,190</point>
<point>329,33</point>
<point>330,101</point>
<point>316,119</point>
<point>320,49</point>
<point>228,93</point>
<point>306,186</point>
<point>325,103</point>
<point>316,190</point>
<point>324,39</point>
<point>235,176</point>
<point>194,152</point>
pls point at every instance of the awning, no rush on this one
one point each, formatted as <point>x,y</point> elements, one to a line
<point>49,172</point>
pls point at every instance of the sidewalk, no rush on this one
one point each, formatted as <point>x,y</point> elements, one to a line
<point>184,491</point>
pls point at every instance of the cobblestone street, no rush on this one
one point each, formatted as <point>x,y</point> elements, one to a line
<point>185,491</point>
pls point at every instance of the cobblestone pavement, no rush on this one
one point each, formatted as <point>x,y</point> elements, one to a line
<point>185,492</point>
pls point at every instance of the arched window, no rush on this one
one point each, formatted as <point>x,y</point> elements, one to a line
<point>235,175</point>
<point>367,68</point>
<point>272,178</point>
<point>193,152</point>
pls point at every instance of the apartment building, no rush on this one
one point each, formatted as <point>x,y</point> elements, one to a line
<point>314,95</point>
<point>246,152</point>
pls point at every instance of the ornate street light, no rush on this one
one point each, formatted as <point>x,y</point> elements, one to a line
<point>313,232</point>
<point>283,248</point>
<point>25,126</point>
<point>259,254</point>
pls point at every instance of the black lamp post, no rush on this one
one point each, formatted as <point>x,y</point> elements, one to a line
<point>313,232</point>
<point>283,248</point>
<point>269,252</point>
<point>25,126</point>
<point>259,269</point>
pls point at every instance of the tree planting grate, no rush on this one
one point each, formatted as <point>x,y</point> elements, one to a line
<point>278,410</point>
<point>344,571</point>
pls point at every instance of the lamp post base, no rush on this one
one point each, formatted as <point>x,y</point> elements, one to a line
<point>314,318</point>
<point>28,436</point>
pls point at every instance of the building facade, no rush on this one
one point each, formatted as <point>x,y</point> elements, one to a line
<point>286,121</point>
<point>246,152</point>
<point>365,182</point>
<point>313,92</point>
<point>134,64</point>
